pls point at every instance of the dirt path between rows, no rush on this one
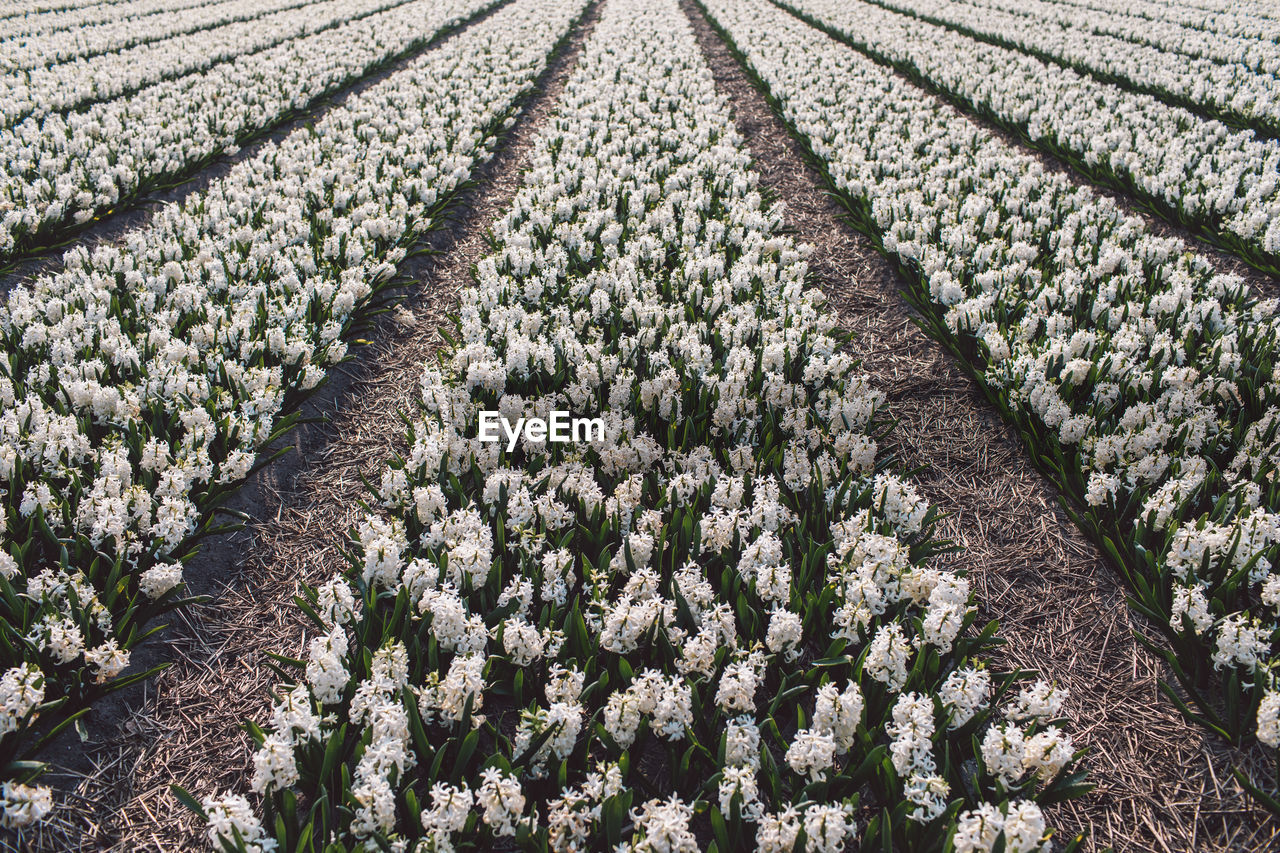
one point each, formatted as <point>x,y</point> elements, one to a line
<point>183,726</point>
<point>1162,784</point>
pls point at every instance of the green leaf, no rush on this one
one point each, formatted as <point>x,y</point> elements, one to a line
<point>189,801</point>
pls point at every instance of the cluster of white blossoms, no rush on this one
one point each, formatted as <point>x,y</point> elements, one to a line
<point>1250,40</point>
<point>232,817</point>
<point>143,379</point>
<point>21,691</point>
<point>18,18</point>
<point>672,585</point>
<point>37,89</point>
<point>1253,19</point>
<point>1133,362</point>
<point>1198,171</point>
<point>59,168</point>
<point>23,805</point>
<point>32,50</point>
<point>1233,90</point>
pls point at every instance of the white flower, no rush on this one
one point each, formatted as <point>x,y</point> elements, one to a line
<point>108,659</point>
<point>335,601</point>
<point>8,565</point>
<point>839,712</point>
<point>912,729</point>
<point>159,579</point>
<point>1192,602</point>
<point>740,781</point>
<point>24,805</point>
<point>1041,702</point>
<point>928,793</point>
<point>784,634</point>
<point>1269,719</point>
<point>1003,751</point>
<point>672,708</point>
<point>448,698</point>
<point>450,808</point>
<point>811,753</point>
<point>1021,824</point>
<point>977,830</point>
<point>1242,641</point>
<point>778,833</point>
<point>966,691</point>
<point>502,799</point>
<point>1024,828</point>
<point>326,672</point>
<point>742,743</point>
<point>1047,752</point>
<point>229,816</point>
<point>663,827</point>
<point>829,827</point>
<point>21,690</point>
<point>62,638</point>
<point>888,656</point>
<point>274,767</point>
<point>564,718</point>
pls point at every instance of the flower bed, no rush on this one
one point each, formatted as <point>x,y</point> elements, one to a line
<point>62,170</point>
<point>1230,91</point>
<point>31,50</point>
<point>1249,40</point>
<point>1223,184</point>
<point>21,17</point>
<point>1141,378</point>
<point>40,89</point>
<point>141,384</point>
<point>717,626</point>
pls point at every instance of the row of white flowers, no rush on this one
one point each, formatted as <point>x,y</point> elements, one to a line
<point>21,17</point>
<point>28,50</point>
<point>1195,171</point>
<point>1229,91</point>
<point>1247,18</point>
<point>141,382</point>
<point>1257,49</point>
<point>36,92</point>
<point>723,612</point>
<point>61,171</point>
<point>1142,377</point>
<point>1210,14</point>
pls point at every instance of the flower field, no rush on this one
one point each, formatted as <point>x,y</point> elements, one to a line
<point>748,605</point>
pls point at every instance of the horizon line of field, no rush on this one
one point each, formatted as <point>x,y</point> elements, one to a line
<point>1114,16</point>
<point>13,9</point>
